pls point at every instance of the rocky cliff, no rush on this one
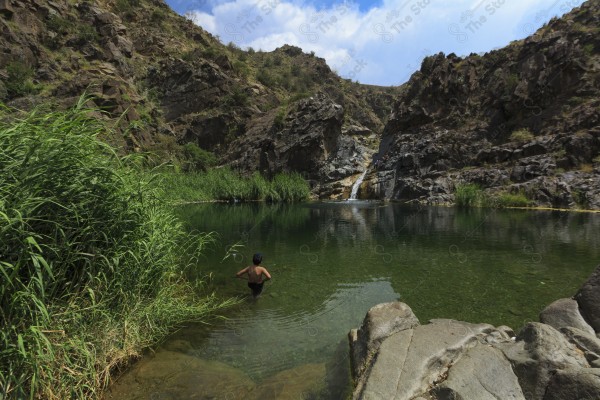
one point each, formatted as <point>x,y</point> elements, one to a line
<point>167,84</point>
<point>394,357</point>
<point>524,119</point>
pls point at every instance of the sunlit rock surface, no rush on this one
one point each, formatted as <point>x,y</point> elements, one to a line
<point>447,359</point>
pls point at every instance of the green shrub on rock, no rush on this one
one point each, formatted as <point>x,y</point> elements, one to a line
<point>469,195</point>
<point>19,79</point>
<point>197,159</point>
<point>512,200</point>
<point>521,136</point>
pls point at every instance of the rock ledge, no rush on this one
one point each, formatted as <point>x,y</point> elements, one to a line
<point>393,356</point>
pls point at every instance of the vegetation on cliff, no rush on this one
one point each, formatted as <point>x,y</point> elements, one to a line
<point>473,195</point>
<point>93,264</point>
<point>521,122</point>
<point>168,85</point>
<point>225,185</point>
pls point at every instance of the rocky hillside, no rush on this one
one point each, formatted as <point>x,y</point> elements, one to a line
<point>174,90</point>
<point>520,121</point>
<point>523,120</point>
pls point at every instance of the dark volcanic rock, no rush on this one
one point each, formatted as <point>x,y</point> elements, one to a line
<point>188,89</point>
<point>525,113</point>
<point>303,141</point>
<point>6,9</point>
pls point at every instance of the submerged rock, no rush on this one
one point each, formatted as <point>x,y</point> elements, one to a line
<point>174,375</point>
<point>296,383</point>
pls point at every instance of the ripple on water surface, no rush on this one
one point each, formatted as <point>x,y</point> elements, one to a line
<point>331,262</point>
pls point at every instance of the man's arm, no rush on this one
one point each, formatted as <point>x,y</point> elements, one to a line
<point>266,273</point>
<point>242,272</point>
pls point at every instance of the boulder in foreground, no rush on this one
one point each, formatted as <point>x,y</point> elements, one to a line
<point>394,357</point>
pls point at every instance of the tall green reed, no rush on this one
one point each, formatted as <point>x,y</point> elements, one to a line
<point>93,266</point>
<point>226,185</point>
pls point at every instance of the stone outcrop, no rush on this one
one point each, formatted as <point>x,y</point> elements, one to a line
<point>380,322</point>
<point>311,138</point>
<point>523,119</point>
<point>538,352</point>
<point>574,384</point>
<point>393,357</point>
<point>588,299</point>
<point>563,313</point>
<point>481,373</point>
<point>177,85</point>
<point>301,141</point>
<point>451,124</point>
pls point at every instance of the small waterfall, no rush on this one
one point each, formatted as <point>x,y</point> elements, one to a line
<point>357,185</point>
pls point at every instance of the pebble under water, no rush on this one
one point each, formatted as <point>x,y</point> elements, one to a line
<point>331,262</point>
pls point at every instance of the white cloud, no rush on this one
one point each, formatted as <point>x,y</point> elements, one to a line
<point>385,44</point>
<point>203,19</point>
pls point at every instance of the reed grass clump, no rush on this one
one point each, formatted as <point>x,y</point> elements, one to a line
<point>513,200</point>
<point>469,195</point>
<point>92,265</point>
<point>226,185</point>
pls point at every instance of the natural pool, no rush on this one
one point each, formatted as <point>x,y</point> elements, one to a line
<point>330,263</point>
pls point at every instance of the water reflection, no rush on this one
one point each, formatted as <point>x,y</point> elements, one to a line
<point>332,261</point>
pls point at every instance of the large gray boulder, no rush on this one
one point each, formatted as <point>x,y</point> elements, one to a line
<point>396,358</point>
<point>408,363</point>
<point>381,321</point>
<point>574,384</point>
<point>564,313</point>
<point>588,343</point>
<point>538,352</point>
<point>483,373</point>
<point>588,299</point>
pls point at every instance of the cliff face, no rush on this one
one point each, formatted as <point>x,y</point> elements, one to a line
<point>521,120</point>
<point>168,83</point>
<point>524,119</point>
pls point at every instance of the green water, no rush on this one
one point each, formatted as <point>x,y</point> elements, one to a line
<point>332,261</point>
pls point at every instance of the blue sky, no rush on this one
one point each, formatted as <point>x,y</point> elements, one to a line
<point>379,43</point>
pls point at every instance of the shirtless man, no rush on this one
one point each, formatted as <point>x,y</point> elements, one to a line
<point>255,275</point>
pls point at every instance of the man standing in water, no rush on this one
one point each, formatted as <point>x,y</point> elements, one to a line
<point>255,275</point>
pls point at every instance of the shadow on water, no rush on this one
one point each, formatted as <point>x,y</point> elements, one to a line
<point>330,263</point>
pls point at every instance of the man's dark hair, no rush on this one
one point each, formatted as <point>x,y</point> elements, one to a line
<point>257,258</point>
